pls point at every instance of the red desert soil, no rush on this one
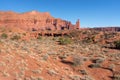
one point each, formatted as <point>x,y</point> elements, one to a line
<point>72,54</point>
<point>46,59</point>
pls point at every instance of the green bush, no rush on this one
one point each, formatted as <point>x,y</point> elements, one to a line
<point>4,35</point>
<point>117,44</point>
<point>39,38</point>
<point>16,37</point>
<point>64,40</point>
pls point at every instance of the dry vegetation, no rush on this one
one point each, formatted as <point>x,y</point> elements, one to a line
<point>82,55</point>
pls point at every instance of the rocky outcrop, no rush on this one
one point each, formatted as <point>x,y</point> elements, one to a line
<point>35,21</point>
<point>107,29</point>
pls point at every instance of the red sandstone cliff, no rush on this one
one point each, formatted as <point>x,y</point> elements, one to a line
<point>35,20</point>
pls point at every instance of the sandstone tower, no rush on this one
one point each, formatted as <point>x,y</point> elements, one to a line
<point>77,26</point>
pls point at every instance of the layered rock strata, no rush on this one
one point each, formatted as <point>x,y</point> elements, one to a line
<point>35,21</point>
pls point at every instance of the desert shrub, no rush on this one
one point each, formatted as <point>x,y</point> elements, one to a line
<point>111,67</point>
<point>77,60</point>
<point>39,38</point>
<point>4,35</point>
<point>74,33</point>
<point>64,40</point>
<point>62,56</point>
<point>89,39</point>
<point>95,65</point>
<point>52,72</point>
<point>116,76</point>
<point>98,60</point>
<point>75,77</point>
<point>16,37</point>
<point>117,44</point>
<point>45,57</point>
<point>54,38</point>
<point>83,72</point>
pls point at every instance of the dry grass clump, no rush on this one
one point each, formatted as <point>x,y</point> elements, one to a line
<point>78,60</point>
<point>64,40</point>
<point>4,36</point>
<point>16,37</point>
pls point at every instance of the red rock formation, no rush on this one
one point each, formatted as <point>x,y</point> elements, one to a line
<point>35,21</point>
<point>78,24</point>
<point>107,29</point>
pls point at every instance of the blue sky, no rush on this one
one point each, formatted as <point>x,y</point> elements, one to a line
<point>92,13</point>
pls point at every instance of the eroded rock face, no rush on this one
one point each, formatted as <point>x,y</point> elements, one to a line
<point>35,21</point>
